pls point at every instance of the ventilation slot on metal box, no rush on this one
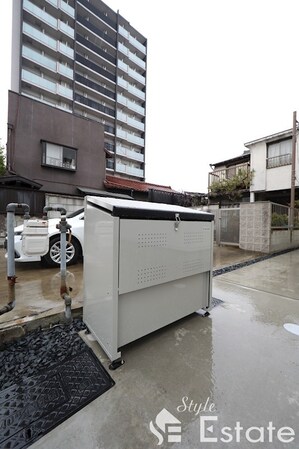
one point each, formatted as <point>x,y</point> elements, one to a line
<point>192,237</point>
<point>152,240</point>
<point>150,274</point>
<point>193,266</point>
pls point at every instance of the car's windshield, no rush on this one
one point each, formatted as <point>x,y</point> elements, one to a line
<point>74,214</point>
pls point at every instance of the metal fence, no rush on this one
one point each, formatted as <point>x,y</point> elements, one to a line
<point>227,226</point>
<point>281,217</point>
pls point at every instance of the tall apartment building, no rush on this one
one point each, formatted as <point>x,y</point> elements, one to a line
<point>82,57</point>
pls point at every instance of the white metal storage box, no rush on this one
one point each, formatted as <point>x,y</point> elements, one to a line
<point>145,265</point>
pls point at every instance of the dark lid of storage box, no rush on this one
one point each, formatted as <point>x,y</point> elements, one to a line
<point>142,210</point>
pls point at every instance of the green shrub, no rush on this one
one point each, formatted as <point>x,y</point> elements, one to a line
<point>279,220</point>
<point>232,187</point>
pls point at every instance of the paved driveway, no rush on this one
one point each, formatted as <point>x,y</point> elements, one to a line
<point>38,289</point>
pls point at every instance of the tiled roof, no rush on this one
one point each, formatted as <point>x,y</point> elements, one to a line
<point>12,179</point>
<point>114,182</point>
<point>234,160</point>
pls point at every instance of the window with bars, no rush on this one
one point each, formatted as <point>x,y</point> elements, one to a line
<point>279,153</point>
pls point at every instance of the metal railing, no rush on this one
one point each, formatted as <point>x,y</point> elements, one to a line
<point>278,161</point>
<point>95,67</point>
<point>94,105</point>
<point>281,217</point>
<point>227,173</point>
<point>131,39</point>
<point>87,24</point>
<point>93,85</point>
<point>98,13</point>
<point>96,49</point>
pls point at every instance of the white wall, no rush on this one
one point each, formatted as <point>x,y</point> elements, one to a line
<point>278,178</point>
<point>15,45</point>
<point>258,155</point>
<point>270,179</point>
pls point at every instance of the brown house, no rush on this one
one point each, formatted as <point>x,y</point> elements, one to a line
<point>58,150</point>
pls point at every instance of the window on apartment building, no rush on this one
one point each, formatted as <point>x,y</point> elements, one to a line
<point>279,153</point>
<point>110,163</point>
<point>59,156</point>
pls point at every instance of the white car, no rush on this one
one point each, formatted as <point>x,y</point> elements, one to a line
<point>74,249</point>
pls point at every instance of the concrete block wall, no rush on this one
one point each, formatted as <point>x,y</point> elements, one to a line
<point>70,203</point>
<point>256,233</point>
<point>255,226</point>
<point>283,239</point>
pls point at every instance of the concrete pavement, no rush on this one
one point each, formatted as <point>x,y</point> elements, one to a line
<point>277,275</point>
<point>37,291</point>
<point>218,376</point>
<point>240,366</point>
<point>38,300</point>
<point>224,256</point>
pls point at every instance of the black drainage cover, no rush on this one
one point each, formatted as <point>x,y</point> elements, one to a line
<point>37,404</point>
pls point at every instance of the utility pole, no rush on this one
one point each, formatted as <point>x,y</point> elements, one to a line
<point>293,175</point>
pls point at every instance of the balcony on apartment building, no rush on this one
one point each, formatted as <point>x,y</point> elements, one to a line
<point>132,39</point>
<point>43,39</point>
<point>130,55</point>
<point>132,105</point>
<point>227,172</point>
<point>53,22</point>
<point>60,4</point>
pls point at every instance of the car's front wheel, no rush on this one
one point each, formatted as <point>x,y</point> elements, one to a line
<point>53,256</point>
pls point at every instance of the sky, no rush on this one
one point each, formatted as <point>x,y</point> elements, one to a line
<point>219,74</point>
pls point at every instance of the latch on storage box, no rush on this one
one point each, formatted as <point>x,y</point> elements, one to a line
<point>177,222</point>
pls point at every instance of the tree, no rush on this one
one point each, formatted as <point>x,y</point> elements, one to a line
<point>232,188</point>
<point>2,160</point>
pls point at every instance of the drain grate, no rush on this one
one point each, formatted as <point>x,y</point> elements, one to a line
<point>216,302</point>
<point>37,404</point>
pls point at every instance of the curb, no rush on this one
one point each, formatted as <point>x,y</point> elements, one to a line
<point>17,330</point>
